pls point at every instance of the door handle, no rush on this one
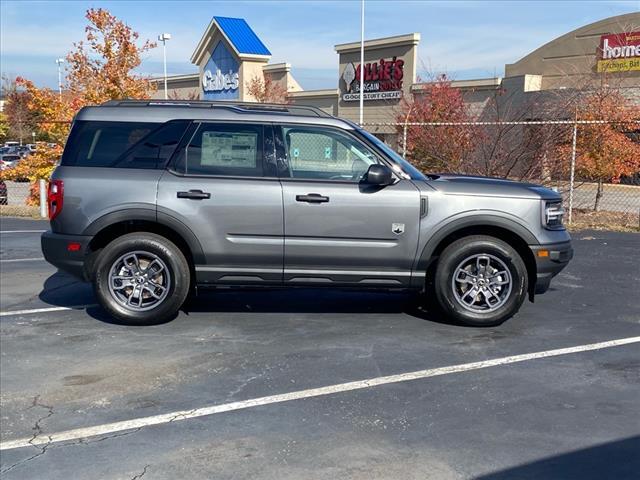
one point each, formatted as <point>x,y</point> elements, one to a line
<point>194,195</point>
<point>312,198</point>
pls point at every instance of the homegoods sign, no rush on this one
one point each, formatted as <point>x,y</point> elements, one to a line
<point>619,52</point>
<point>382,80</point>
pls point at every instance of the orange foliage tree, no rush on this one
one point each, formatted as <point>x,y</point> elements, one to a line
<point>50,113</point>
<point>442,147</point>
<point>265,90</point>
<point>604,152</point>
<point>99,68</point>
<point>36,166</point>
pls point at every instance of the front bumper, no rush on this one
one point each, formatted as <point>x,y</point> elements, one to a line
<point>550,260</point>
<point>55,248</point>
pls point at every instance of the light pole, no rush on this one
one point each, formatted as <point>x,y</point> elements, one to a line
<point>362,63</point>
<point>163,37</point>
<point>60,61</point>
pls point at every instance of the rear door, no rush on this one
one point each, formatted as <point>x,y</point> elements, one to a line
<point>339,230</point>
<point>222,187</point>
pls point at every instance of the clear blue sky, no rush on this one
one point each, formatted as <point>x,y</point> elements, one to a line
<point>467,39</point>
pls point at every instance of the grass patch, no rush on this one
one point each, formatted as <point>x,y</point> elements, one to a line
<point>584,219</point>
<point>19,211</point>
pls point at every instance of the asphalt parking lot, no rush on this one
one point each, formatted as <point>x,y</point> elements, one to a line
<point>193,390</point>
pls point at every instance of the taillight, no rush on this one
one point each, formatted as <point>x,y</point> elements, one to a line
<point>55,197</point>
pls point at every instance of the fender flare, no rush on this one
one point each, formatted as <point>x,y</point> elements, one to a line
<point>472,219</point>
<point>150,215</point>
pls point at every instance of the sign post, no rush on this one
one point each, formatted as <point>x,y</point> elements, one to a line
<point>362,63</point>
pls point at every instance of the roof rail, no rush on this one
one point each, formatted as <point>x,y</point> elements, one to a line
<point>240,107</point>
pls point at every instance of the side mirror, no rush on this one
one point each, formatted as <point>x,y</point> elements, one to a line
<point>378,174</point>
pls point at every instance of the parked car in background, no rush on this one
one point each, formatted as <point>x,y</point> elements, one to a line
<point>11,144</point>
<point>23,151</point>
<point>9,160</point>
<point>631,179</point>
<point>3,193</point>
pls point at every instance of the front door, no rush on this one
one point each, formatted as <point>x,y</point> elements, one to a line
<point>222,189</point>
<point>339,230</point>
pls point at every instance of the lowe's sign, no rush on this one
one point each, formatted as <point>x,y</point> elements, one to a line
<point>220,78</point>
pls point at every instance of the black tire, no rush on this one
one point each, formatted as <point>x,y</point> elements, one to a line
<point>178,280</point>
<point>461,251</point>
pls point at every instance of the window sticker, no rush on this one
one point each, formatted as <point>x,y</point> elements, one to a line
<point>223,149</point>
<point>296,152</point>
<point>327,152</point>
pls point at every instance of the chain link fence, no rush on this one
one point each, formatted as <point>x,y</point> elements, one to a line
<point>14,199</point>
<point>542,152</point>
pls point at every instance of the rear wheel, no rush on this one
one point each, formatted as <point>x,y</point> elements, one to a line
<point>141,279</point>
<point>480,281</point>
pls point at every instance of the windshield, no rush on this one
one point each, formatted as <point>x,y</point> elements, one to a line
<point>407,168</point>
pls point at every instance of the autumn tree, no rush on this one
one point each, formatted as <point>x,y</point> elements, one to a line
<point>49,111</point>
<point>604,152</point>
<point>265,90</point>
<point>100,68</point>
<point>4,128</point>
<point>441,147</point>
<point>508,147</point>
<point>189,95</point>
<point>38,165</point>
<point>20,120</point>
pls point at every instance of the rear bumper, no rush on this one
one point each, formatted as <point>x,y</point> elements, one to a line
<point>55,248</point>
<point>550,264</point>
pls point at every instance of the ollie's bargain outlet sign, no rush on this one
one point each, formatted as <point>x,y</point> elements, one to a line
<point>382,80</point>
<point>619,52</point>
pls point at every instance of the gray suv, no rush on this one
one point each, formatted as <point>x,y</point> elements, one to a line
<point>153,200</point>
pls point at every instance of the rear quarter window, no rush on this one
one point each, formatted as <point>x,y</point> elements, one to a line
<point>122,144</point>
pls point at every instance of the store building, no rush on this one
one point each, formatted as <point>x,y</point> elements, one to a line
<point>230,54</point>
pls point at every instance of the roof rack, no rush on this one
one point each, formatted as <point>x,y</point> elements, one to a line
<point>240,107</point>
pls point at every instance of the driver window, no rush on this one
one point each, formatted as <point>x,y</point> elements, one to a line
<point>323,154</point>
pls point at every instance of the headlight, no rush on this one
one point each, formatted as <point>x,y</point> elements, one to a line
<point>553,215</point>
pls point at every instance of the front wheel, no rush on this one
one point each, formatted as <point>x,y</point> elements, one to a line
<point>480,281</point>
<point>141,279</point>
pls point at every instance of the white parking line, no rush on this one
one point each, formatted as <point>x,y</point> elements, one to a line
<point>80,433</point>
<point>42,310</point>
<point>13,260</point>
<point>22,231</point>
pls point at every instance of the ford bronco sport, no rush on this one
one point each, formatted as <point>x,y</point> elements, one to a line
<point>154,199</point>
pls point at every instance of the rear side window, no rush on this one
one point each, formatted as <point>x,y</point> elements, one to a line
<point>109,144</point>
<point>100,144</point>
<point>230,150</point>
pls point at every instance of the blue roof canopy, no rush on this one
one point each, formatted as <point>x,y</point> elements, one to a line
<point>239,33</point>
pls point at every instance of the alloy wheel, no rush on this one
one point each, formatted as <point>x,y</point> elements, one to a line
<point>139,280</point>
<point>482,283</point>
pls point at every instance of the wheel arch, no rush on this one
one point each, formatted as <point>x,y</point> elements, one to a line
<point>515,234</point>
<point>110,226</point>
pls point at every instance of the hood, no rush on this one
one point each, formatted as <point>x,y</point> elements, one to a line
<point>490,187</point>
